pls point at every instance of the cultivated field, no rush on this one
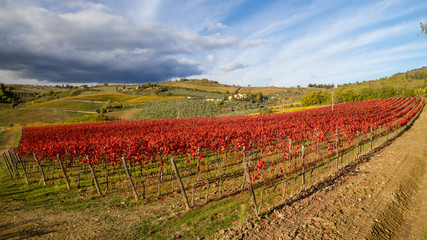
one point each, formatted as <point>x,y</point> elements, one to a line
<point>229,171</point>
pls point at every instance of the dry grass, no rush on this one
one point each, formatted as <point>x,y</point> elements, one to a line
<point>25,116</point>
<point>221,89</point>
<point>263,90</point>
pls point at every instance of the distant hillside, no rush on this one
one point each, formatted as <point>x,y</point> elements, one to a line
<point>410,83</point>
<point>201,85</point>
<point>22,105</point>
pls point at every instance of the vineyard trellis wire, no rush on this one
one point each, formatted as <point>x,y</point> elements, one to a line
<point>274,163</point>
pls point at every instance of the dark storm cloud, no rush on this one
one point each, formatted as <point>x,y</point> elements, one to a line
<point>91,45</point>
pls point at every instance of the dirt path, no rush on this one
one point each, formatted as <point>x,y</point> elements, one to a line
<point>383,197</point>
<point>7,139</point>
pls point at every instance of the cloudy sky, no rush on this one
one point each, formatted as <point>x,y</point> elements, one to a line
<point>242,42</point>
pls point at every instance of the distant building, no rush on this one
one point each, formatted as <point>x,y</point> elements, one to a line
<point>238,96</point>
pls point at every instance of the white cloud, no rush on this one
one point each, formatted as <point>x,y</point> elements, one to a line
<point>233,66</point>
<point>210,58</point>
<point>217,26</point>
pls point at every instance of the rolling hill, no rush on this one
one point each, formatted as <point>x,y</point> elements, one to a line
<point>187,98</point>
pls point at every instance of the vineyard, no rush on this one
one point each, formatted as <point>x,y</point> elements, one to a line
<point>272,157</point>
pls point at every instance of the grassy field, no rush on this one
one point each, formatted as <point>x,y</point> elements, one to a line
<point>104,97</point>
<point>28,116</point>
<point>263,90</point>
<point>194,93</point>
<point>4,106</point>
<point>220,89</point>
<point>123,114</point>
<point>72,104</point>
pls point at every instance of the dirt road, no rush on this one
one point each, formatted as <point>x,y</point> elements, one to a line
<point>382,197</point>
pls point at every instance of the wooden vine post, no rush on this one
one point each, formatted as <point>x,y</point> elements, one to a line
<point>159,190</point>
<point>303,167</point>
<point>251,190</point>
<point>40,168</point>
<point>130,178</point>
<point>285,175</point>
<point>6,162</point>
<point>94,176</point>
<point>358,145</point>
<point>371,138</point>
<point>207,181</point>
<point>13,164</point>
<point>18,159</point>
<point>184,195</point>
<point>338,151</point>
<point>290,152</point>
<point>198,164</point>
<point>63,171</point>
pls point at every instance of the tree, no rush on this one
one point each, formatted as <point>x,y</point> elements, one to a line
<point>314,98</point>
<point>423,28</point>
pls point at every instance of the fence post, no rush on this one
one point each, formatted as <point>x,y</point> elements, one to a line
<point>40,168</point>
<point>6,162</point>
<point>13,164</point>
<point>290,153</point>
<point>160,179</point>
<point>338,151</point>
<point>93,176</point>
<point>371,138</point>
<point>130,178</point>
<point>18,158</point>
<point>386,133</point>
<point>317,146</point>
<point>358,145</point>
<point>198,164</point>
<point>184,195</point>
<point>63,171</point>
<point>303,168</point>
<point>251,190</point>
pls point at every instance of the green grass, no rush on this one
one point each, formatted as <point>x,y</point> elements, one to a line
<point>29,116</point>
<point>89,118</point>
<point>17,139</point>
<point>200,221</point>
<point>69,104</point>
<point>104,97</point>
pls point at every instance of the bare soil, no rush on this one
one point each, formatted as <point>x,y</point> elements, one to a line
<point>381,196</point>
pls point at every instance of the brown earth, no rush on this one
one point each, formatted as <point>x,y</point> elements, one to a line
<point>380,197</point>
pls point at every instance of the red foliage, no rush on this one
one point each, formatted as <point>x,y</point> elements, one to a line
<point>151,140</point>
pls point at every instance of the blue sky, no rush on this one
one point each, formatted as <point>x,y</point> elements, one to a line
<point>252,42</point>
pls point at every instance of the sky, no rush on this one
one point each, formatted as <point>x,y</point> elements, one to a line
<point>281,43</point>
